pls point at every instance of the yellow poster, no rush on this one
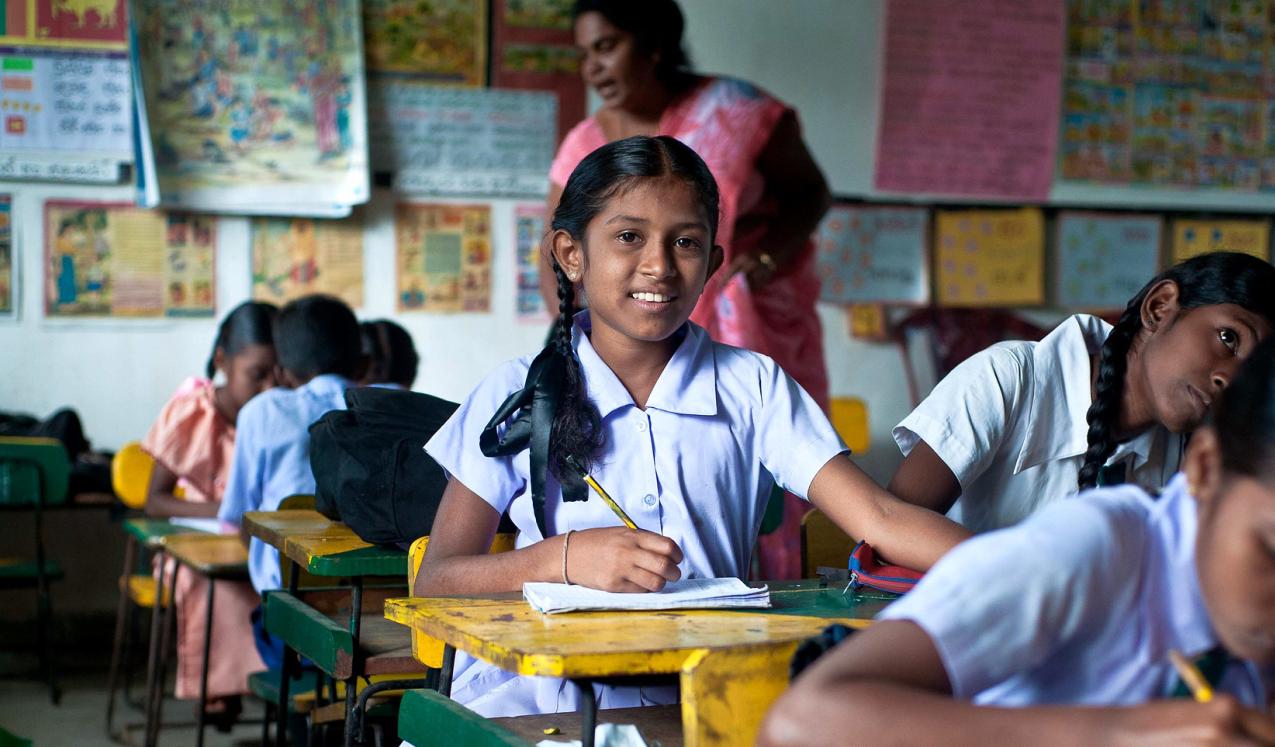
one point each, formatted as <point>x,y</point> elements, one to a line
<point>1195,237</point>
<point>107,259</point>
<point>990,257</point>
<point>294,257</point>
<point>444,257</point>
<point>442,41</point>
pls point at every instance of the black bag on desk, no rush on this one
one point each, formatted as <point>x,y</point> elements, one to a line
<point>370,466</point>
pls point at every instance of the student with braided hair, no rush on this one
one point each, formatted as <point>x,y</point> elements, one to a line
<point>687,434</point>
<point>1022,424</point>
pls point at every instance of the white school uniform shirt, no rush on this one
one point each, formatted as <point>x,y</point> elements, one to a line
<point>1010,424</point>
<point>721,426</point>
<point>1078,605</point>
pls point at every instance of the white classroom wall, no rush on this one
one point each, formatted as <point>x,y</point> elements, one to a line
<point>821,56</point>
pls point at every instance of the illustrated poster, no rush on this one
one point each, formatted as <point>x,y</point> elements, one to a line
<point>529,229</point>
<point>118,260</point>
<point>1195,237</point>
<point>441,41</point>
<point>8,293</point>
<point>443,257</point>
<point>253,107</point>
<point>294,257</point>
<point>990,257</point>
<point>534,49</point>
<point>1103,260</point>
<point>874,255</point>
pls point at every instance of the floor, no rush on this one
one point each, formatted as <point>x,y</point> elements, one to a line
<point>80,720</point>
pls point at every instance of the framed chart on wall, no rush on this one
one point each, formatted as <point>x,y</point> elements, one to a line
<point>871,254</point>
<point>1102,260</point>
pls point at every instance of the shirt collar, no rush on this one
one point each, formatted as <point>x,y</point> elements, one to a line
<point>687,385</point>
<point>1059,426</point>
<point>326,385</point>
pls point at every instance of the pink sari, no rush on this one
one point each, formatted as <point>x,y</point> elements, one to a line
<point>192,440</point>
<point>728,123</point>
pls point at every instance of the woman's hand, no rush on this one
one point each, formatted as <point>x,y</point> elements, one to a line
<point>1222,721</point>
<point>622,559</point>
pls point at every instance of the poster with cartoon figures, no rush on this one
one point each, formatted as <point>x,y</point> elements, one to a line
<point>294,257</point>
<point>8,295</point>
<point>253,107</point>
<point>443,257</point>
<point>1192,238</point>
<point>1103,260</point>
<point>874,255</point>
<point>118,260</point>
<point>529,229</point>
<point>1168,93</point>
<point>440,41</point>
<point>990,257</point>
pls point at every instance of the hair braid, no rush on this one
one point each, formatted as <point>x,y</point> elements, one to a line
<point>1109,392</point>
<point>577,427</point>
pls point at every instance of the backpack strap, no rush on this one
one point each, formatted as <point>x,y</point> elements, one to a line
<point>532,409</point>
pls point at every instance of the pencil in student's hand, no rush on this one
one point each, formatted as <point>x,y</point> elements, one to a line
<point>602,493</point>
<point>1199,686</point>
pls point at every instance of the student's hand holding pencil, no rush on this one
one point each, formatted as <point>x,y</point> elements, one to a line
<point>622,559</point>
<point>1183,723</point>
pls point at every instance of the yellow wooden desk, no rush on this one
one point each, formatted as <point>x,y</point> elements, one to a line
<point>731,664</point>
<point>215,556</point>
<point>274,527</point>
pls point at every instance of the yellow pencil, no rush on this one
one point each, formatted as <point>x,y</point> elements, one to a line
<point>1200,688</point>
<point>605,498</point>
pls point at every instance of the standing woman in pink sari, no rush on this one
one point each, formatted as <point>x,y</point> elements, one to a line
<point>772,195</point>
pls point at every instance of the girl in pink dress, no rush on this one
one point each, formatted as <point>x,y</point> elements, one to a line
<point>772,195</point>
<point>192,442</point>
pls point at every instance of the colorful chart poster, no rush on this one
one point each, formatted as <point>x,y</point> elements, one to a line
<point>443,257</point>
<point>990,257</point>
<point>442,41</point>
<point>1192,238</point>
<point>534,49</point>
<point>253,107</point>
<point>118,260</point>
<point>874,255</point>
<point>1169,93</point>
<point>1103,260</point>
<point>970,113</point>
<point>460,141</point>
<point>294,257</point>
<point>529,229</point>
<point>8,295</point>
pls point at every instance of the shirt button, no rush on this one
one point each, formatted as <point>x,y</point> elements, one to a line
<point>641,426</point>
<point>648,499</point>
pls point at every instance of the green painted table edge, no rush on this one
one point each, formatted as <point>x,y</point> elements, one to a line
<point>365,561</point>
<point>150,531</point>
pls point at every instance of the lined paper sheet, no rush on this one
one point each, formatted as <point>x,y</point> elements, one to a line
<point>695,593</point>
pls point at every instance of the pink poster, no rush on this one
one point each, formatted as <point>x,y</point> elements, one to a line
<point>970,97</point>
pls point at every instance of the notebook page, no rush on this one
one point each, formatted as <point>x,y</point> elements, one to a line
<point>695,593</point>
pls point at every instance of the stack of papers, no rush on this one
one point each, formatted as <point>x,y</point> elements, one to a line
<point>695,593</point>
<point>210,525</point>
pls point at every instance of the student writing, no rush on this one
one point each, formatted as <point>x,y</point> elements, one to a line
<point>1060,630</point>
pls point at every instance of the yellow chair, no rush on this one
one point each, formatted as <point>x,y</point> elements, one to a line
<point>849,416</point>
<point>822,543</point>
<point>131,474</point>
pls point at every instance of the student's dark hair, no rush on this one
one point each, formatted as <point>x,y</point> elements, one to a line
<point>391,356</point>
<point>1244,417</point>
<point>657,27</point>
<point>317,335</point>
<point>602,175</point>
<point>1206,280</point>
<point>249,323</point>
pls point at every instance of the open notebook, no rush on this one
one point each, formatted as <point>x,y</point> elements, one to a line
<point>695,593</point>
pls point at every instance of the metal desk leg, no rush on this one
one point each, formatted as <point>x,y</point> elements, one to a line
<point>122,624</point>
<point>356,617</point>
<point>202,717</point>
<point>588,711</point>
<point>285,669</point>
<point>161,667</point>
<point>152,656</point>
<point>445,676</point>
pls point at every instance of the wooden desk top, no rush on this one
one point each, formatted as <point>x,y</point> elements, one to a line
<point>508,633</point>
<point>213,555</point>
<point>339,552</point>
<point>275,527</point>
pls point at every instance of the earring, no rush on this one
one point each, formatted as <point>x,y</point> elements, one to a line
<point>571,276</point>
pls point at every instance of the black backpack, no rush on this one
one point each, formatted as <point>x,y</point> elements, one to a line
<point>370,466</point>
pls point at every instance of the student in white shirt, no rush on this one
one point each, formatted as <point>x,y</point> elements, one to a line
<point>1022,424</point>
<point>688,435</point>
<point>1059,630</point>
